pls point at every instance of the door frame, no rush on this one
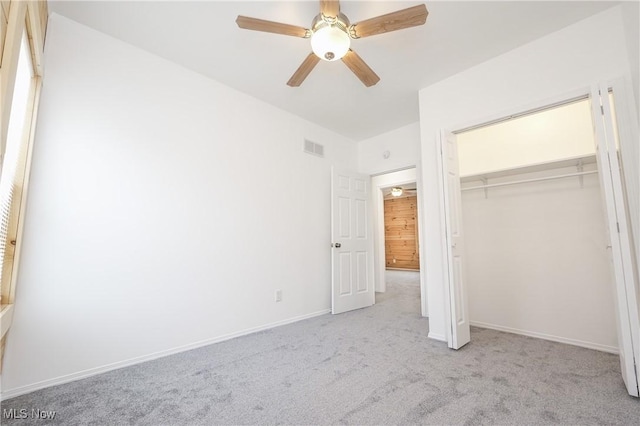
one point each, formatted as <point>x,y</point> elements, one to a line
<point>456,304</point>
<point>616,200</point>
<point>380,182</point>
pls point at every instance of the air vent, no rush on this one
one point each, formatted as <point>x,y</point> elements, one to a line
<point>313,148</point>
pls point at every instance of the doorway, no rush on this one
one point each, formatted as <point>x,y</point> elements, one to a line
<point>534,229</point>
<point>382,186</point>
<point>511,186</point>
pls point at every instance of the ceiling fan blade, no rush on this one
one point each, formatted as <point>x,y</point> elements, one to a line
<point>360,68</point>
<point>303,70</point>
<point>330,7</point>
<point>406,18</point>
<point>272,27</point>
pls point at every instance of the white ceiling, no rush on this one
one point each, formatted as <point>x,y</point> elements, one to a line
<point>203,37</point>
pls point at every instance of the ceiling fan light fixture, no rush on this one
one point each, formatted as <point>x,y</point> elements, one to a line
<point>330,42</point>
<point>396,191</point>
<point>331,34</point>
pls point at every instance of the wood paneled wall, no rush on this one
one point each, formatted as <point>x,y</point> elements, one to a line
<point>401,233</point>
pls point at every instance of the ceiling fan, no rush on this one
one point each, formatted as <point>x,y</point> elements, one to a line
<point>398,191</point>
<point>331,34</point>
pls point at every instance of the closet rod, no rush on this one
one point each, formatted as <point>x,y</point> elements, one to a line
<point>530,180</point>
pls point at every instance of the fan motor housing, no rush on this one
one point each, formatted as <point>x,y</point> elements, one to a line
<point>321,21</point>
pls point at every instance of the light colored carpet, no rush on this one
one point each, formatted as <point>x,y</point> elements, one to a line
<point>371,366</point>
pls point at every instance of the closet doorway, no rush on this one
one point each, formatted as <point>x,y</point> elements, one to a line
<point>537,201</point>
<point>534,228</point>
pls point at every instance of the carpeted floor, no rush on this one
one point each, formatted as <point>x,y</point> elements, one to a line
<point>371,366</point>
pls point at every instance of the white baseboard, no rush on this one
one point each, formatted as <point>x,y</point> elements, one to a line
<point>402,269</point>
<point>574,342</point>
<point>11,393</point>
<point>436,336</point>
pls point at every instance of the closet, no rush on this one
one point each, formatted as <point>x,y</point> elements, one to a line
<point>535,235</point>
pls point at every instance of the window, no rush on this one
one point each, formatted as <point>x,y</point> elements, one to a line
<point>22,26</point>
<point>14,160</point>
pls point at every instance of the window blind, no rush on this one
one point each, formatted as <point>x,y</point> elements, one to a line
<point>14,155</point>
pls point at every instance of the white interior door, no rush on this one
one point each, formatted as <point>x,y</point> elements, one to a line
<point>458,312</point>
<point>352,285</point>
<point>628,322</point>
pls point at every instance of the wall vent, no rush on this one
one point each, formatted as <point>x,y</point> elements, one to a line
<point>313,148</point>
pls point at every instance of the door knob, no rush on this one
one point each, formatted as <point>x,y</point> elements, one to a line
<point>337,245</point>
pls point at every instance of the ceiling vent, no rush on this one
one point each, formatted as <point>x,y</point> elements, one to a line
<point>313,148</point>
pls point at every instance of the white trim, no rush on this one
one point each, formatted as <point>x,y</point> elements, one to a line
<point>529,111</point>
<point>378,184</point>
<point>386,172</point>
<point>444,217</point>
<point>438,337</point>
<point>521,110</point>
<point>574,342</point>
<point>402,269</point>
<point>424,306</point>
<point>626,117</point>
<point>137,360</point>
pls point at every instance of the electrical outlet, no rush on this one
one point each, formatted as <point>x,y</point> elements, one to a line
<point>278,295</point>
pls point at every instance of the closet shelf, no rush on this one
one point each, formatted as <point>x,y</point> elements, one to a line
<point>579,174</point>
<point>550,165</point>
<point>577,162</point>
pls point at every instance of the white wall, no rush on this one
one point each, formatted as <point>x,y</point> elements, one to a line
<point>537,73</point>
<point>401,167</point>
<point>536,259</point>
<point>563,132</point>
<point>165,209</point>
<point>403,145</point>
<point>631,18</point>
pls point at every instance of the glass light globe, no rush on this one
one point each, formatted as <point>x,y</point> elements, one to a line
<point>330,43</point>
<point>396,192</point>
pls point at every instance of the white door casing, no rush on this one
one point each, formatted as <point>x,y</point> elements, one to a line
<point>380,184</point>
<point>458,327</point>
<point>352,283</point>
<point>628,322</point>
